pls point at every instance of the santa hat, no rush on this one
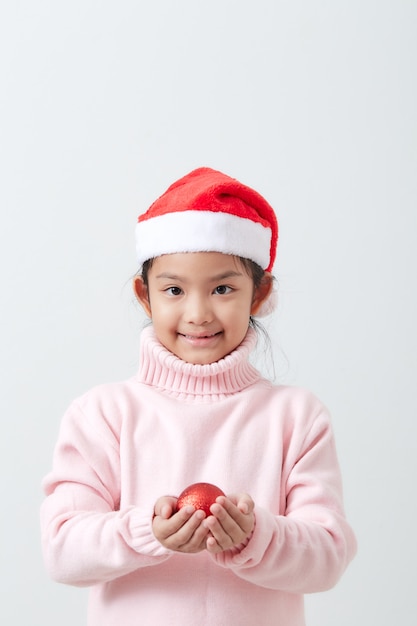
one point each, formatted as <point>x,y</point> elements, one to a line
<point>207,211</point>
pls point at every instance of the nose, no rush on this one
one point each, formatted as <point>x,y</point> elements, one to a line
<point>198,310</point>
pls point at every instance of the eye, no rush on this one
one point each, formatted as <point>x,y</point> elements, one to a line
<point>222,290</point>
<point>173,291</point>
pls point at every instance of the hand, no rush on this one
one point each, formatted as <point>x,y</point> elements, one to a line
<point>231,523</point>
<point>180,531</point>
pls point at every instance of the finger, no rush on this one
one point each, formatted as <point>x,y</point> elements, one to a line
<point>191,533</point>
<point>226,532</point>
<point>166,526</point>
<point>195,538</point>
<point>229,513</point>
<point>166,511</point>
<point>189,537</point>
<point>165,504</point>
<point>244,502</point>
<point>212,546</point>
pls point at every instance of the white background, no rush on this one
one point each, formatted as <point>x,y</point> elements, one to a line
<point>103,104</point>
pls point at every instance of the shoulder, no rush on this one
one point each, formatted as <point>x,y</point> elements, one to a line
<point>293,406</point>
<point>290,395</point>
<point>113,393</point>
<point>300,396</point>
<point>103,406</point>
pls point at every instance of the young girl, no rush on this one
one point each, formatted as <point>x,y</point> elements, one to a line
<point>198,411</point>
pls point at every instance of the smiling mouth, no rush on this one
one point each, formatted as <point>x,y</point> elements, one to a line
<point>200,337</point>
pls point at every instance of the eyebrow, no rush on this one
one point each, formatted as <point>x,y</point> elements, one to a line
<point>218,277</point>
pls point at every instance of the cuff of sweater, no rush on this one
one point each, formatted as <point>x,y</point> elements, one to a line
<point>138,533</point>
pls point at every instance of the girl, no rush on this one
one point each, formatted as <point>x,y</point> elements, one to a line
<point>198,411</point>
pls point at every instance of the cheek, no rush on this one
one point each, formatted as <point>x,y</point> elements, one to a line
<point>245,304</point>
<point>238,317</point>
<point>164,315</point>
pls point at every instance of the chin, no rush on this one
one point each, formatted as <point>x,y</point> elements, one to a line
<point>202,359</point>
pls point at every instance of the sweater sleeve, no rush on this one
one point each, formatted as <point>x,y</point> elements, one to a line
<point>86,538</point>
<point>307,548</point>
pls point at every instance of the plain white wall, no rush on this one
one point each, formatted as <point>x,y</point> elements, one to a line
<point>103,104</point>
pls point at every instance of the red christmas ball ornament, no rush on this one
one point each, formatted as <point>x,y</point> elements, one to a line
<point>200,496</point>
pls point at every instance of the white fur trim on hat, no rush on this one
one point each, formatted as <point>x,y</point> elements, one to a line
<point>202,231</point>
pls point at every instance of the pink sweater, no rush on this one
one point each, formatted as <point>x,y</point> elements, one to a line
<point>123,445</point>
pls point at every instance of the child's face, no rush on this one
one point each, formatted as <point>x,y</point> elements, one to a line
<point>199,303</point>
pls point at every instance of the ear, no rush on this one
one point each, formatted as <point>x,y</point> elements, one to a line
<point>142,294</point>
<point>262,293</point>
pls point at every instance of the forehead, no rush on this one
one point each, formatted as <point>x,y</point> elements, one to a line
<point>204,265</point>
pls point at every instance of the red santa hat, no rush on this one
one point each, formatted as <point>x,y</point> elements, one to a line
<point>207,211</point>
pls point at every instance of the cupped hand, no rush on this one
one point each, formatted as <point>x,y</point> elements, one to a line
<point>231,522</point>
<point>180,531</point>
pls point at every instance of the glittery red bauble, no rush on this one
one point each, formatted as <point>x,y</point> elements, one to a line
<point>200,496</point>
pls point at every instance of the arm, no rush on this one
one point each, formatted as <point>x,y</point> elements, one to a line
<point>308,547</point>
<point>85,537</point>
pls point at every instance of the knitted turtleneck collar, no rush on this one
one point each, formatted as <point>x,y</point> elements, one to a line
<point>162,369</point>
